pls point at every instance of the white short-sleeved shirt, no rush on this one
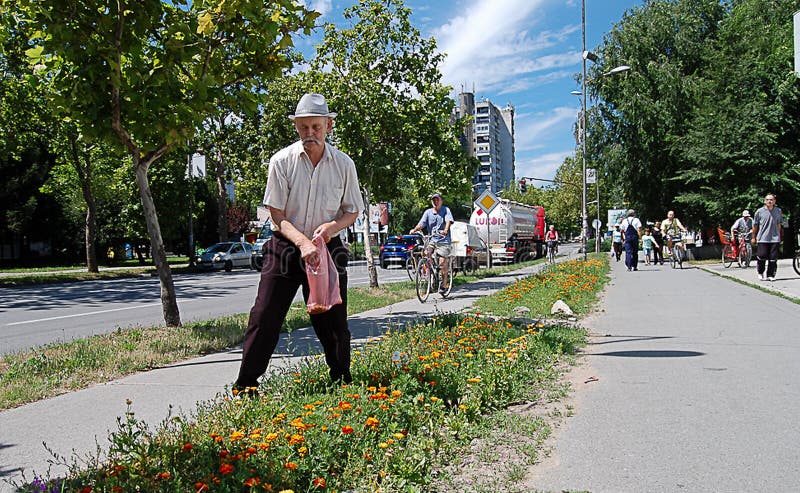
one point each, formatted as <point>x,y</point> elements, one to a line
<point>312,195</point>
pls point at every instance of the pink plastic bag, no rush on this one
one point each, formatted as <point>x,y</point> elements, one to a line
<point>323,281</point>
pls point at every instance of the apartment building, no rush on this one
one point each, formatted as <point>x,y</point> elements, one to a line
<point>490,139</point>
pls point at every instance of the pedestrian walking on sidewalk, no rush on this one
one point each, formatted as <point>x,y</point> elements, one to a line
<point>658,253</point>
<point>312,190</point>
<point>631,228</point>
<point>767,234</point>
<point>616,242</point>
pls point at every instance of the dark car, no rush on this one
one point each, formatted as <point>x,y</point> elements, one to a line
<point>396,249</point>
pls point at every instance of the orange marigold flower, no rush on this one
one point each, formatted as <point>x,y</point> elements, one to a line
<point>163,475</point>
<point>347,429</point>
<point>225,469</point>
<point>251,482</point>
<point>319,483</point>
<point>295,439</point>
<point>290,465</point>
<point>345,405</point>
<point>371,422</point>
<point>236,435</point>
<point>187,447</point>
<point>200,486</point>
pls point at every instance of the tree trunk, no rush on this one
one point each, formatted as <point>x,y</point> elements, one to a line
<point>169,302</point>
<point>373,272</point>
<point>222,198</point>
<point>90,225</point>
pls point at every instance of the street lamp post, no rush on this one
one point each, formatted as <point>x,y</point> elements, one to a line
<point>584,225</point>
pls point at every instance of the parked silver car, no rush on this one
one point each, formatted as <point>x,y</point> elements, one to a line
<point>225,255</point>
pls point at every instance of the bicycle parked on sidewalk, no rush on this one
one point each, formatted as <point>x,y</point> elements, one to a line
<point>428,272</point>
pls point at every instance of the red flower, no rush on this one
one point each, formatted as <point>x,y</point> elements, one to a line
<point>187,447</point>
<point>225,469</point>
<point>320,483</point>
<point>347,429</point>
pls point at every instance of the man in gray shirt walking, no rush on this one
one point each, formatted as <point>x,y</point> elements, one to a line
<point>767,233</point>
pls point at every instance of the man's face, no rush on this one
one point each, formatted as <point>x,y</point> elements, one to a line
<point>670,214</point>
<point>769,201</point>
<point>436,202</point>
<point>312,131</point>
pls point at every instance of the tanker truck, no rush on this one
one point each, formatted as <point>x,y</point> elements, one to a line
<point>515,232</point>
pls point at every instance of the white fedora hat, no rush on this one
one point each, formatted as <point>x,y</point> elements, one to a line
<point>312,105</point>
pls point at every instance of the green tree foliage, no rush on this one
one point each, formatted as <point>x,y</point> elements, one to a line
<point>394,118</point>
<point>708,119</point>
<point>146,74</point>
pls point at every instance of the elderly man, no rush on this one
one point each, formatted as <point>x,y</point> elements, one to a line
<point>631,228</point>
<point>437,220</point>
<point>767,234</point>
<point>312,190</point>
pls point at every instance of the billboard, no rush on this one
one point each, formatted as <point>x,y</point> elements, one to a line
<point>615,216</point>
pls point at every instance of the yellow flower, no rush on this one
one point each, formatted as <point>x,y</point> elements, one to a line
<point>236,435</point>
<point>383,445</point>
<point>474,380</point>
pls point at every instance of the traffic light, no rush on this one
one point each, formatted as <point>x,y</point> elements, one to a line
<point>523,187</point>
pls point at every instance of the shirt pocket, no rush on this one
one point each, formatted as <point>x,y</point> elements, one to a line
<point>332,201</point>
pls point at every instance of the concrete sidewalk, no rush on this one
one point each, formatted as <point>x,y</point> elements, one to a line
<point>693,387</point>
<point>80,421</point>
<point>787,281</point>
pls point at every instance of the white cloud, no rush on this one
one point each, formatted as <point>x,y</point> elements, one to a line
<point>533,129</point>
<point>544,166</point>
<point>321,6</point>
<point>492,45</point>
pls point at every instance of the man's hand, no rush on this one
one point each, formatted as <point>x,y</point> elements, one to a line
<point>309,253</point>
<point>326,231</point>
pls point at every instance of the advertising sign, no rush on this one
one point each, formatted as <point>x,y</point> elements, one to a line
<point>615,216</point>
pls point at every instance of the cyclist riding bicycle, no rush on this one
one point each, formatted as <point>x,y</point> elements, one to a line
<point>671,227</point>
<point>743,227</point>
<point>552,239</point>
<point>438,220</point>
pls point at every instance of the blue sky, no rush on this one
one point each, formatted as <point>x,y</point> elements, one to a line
<point>523,52</point>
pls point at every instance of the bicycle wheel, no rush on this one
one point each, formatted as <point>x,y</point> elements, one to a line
<point>551,254</point>
<point>411,267</point>
<point>672,260</point>
<point>424,278</point>
<point>679,251</point>
<point>748,254</point>
<point>727,255</point>
<point>449,286</point>
<point>796,262</point>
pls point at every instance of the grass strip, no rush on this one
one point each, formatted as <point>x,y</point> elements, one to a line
<point>48,371</point>
<point>421,394</point>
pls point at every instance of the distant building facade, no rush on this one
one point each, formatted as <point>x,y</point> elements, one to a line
<point>489,137</point>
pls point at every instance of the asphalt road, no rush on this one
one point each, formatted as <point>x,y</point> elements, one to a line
<point>37,315</point>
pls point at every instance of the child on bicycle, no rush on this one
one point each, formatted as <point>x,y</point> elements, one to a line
<point>743,227</point>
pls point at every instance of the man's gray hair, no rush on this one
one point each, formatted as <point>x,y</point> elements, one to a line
<point>631,213</point>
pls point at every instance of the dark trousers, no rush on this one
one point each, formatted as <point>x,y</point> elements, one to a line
<point>283,272</point>
<point>632,254</point>
<point>767,255</point>
<point>617,249</point>
<point>658,253</point>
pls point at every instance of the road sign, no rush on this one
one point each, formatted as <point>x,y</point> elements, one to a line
<point>591,175</point>
<point>487,201</point>
<point>596,224</point>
